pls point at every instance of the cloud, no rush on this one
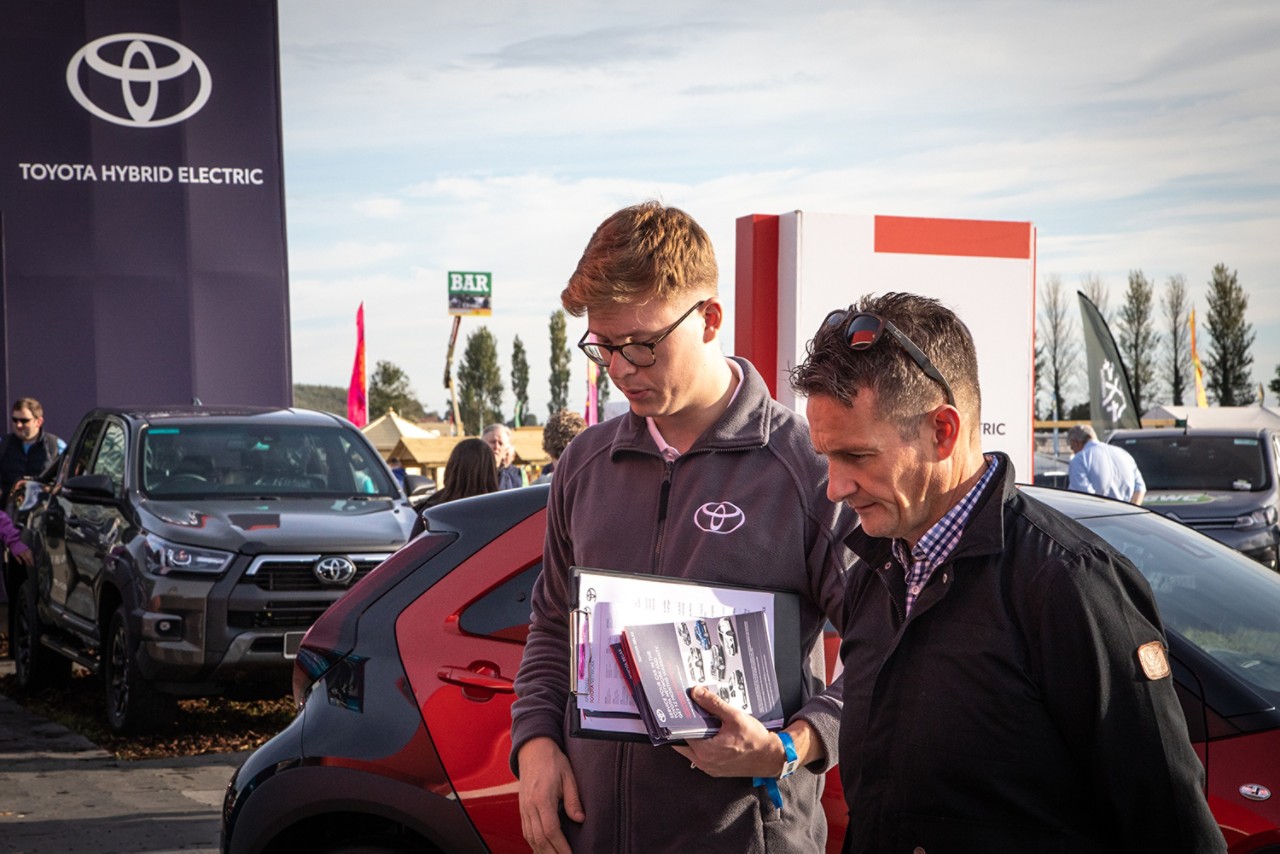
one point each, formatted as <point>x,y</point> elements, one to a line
<point>495,138</point>
<point>343,256</point>
<point>380,207</point>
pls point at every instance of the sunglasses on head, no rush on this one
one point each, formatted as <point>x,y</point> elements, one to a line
<point>862,329</point>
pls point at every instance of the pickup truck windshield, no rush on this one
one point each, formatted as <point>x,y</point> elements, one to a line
<point>1220,463</point>
<point>244,460</point>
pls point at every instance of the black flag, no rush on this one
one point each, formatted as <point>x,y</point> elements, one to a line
<point>1110,396</point>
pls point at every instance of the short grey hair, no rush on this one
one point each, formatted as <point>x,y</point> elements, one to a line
<point>1082,433</point>
<point>498,428</point>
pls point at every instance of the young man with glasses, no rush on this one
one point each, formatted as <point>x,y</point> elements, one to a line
<point>1007,686</point>
<point>702,432</point>
<point>28,451</point>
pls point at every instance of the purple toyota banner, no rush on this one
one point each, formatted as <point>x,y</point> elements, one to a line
<point>142,233</point>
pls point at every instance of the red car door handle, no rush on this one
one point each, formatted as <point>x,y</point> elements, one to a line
<point>468,678</point>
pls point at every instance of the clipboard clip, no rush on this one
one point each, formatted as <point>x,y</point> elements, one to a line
<point>579,644</point>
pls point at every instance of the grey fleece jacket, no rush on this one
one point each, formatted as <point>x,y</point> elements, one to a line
<point>616,504</point>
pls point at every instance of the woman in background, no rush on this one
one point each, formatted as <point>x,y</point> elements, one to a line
<point>470,470</point>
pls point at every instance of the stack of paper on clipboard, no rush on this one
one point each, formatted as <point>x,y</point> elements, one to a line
<point>608,602</point>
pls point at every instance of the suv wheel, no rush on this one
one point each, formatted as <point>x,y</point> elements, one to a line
<point>35,665</point>
<point>132,704</point>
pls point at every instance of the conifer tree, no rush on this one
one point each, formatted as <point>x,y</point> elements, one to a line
<point>520,380</point>
<point>1227,375</point>
<point>479,383</point>
<point>1138,339</point>
<point>389,389</point>
<point>559,364</point>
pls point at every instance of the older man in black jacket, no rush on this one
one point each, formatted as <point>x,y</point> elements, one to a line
<point>1006,684</point>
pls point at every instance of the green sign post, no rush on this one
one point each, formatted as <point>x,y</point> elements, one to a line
<point>470,293</point>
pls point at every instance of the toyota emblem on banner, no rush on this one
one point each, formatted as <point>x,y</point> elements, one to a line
<point>140,75</point>
<point>334,570</point>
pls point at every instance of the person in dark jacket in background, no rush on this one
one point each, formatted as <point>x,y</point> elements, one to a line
<point>29,450</point>
<point>498,438</point>
<point>1006,680</point>
<point>556,435</point>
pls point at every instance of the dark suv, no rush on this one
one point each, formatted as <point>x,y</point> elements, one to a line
<point>1222,481</point>
<point>184,552</point>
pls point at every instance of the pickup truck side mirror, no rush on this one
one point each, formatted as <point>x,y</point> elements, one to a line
<point>418,488</point>
<point>90,486</point>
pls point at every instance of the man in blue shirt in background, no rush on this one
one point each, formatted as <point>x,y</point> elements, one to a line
<point>1102,469</point>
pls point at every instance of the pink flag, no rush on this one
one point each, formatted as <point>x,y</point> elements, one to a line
<point>357,392</point>
<point>592,414</point>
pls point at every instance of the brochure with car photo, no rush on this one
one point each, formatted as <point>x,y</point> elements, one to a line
<point>730,655</point>
<point>606,601</point>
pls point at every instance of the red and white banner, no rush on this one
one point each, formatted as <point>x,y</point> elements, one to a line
<point>794,268</point>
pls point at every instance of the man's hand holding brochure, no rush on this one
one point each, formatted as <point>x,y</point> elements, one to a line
<point>730,656</point>
<point>674,635</point>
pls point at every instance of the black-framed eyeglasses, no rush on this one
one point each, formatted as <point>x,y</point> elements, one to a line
<point>862,329</point>
<point>23,420</point>
<point>639,353</point>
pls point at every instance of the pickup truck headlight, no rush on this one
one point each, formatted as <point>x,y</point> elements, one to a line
<point>165,557</point>
<point>1257,519</point>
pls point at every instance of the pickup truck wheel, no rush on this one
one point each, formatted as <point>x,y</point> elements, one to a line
<point>35,665</point>
<point>132,704</point>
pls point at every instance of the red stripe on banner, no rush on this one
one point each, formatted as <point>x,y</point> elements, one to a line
<point>755,330</point>
<point>975,238</point>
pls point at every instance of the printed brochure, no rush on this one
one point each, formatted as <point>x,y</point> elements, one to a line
<point>606,602</point>
<point>730,655</point>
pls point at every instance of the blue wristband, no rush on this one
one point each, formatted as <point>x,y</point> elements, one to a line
<point>770,784</point>
<point>793,761</point>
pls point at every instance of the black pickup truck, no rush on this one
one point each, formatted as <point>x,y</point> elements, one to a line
<point>184,552</point>
<point>1222,481</point>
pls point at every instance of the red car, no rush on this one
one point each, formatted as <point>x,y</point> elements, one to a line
<point>405,688</point>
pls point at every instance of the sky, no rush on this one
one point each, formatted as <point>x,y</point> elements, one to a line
<point>422,137</point>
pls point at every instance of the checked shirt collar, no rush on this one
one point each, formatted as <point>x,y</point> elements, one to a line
<point>939,541</point>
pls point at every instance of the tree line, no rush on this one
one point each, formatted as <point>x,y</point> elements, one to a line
<point>1151,329</point>
<point>1153,335</point>
<point>480,386</point>
<point>479,382</point>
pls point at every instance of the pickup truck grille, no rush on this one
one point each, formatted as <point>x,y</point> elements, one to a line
<point>278,615</point>
<point>1206,523</point>
<point>294,572</point>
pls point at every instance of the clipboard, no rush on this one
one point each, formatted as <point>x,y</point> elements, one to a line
<point>605,600</point>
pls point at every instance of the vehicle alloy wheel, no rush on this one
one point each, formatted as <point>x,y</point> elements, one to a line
<point>35,665</point>
<point>132,704</point>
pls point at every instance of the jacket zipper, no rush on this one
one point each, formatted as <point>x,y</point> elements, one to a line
<point>663,496</point>
<point>897,606</point>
